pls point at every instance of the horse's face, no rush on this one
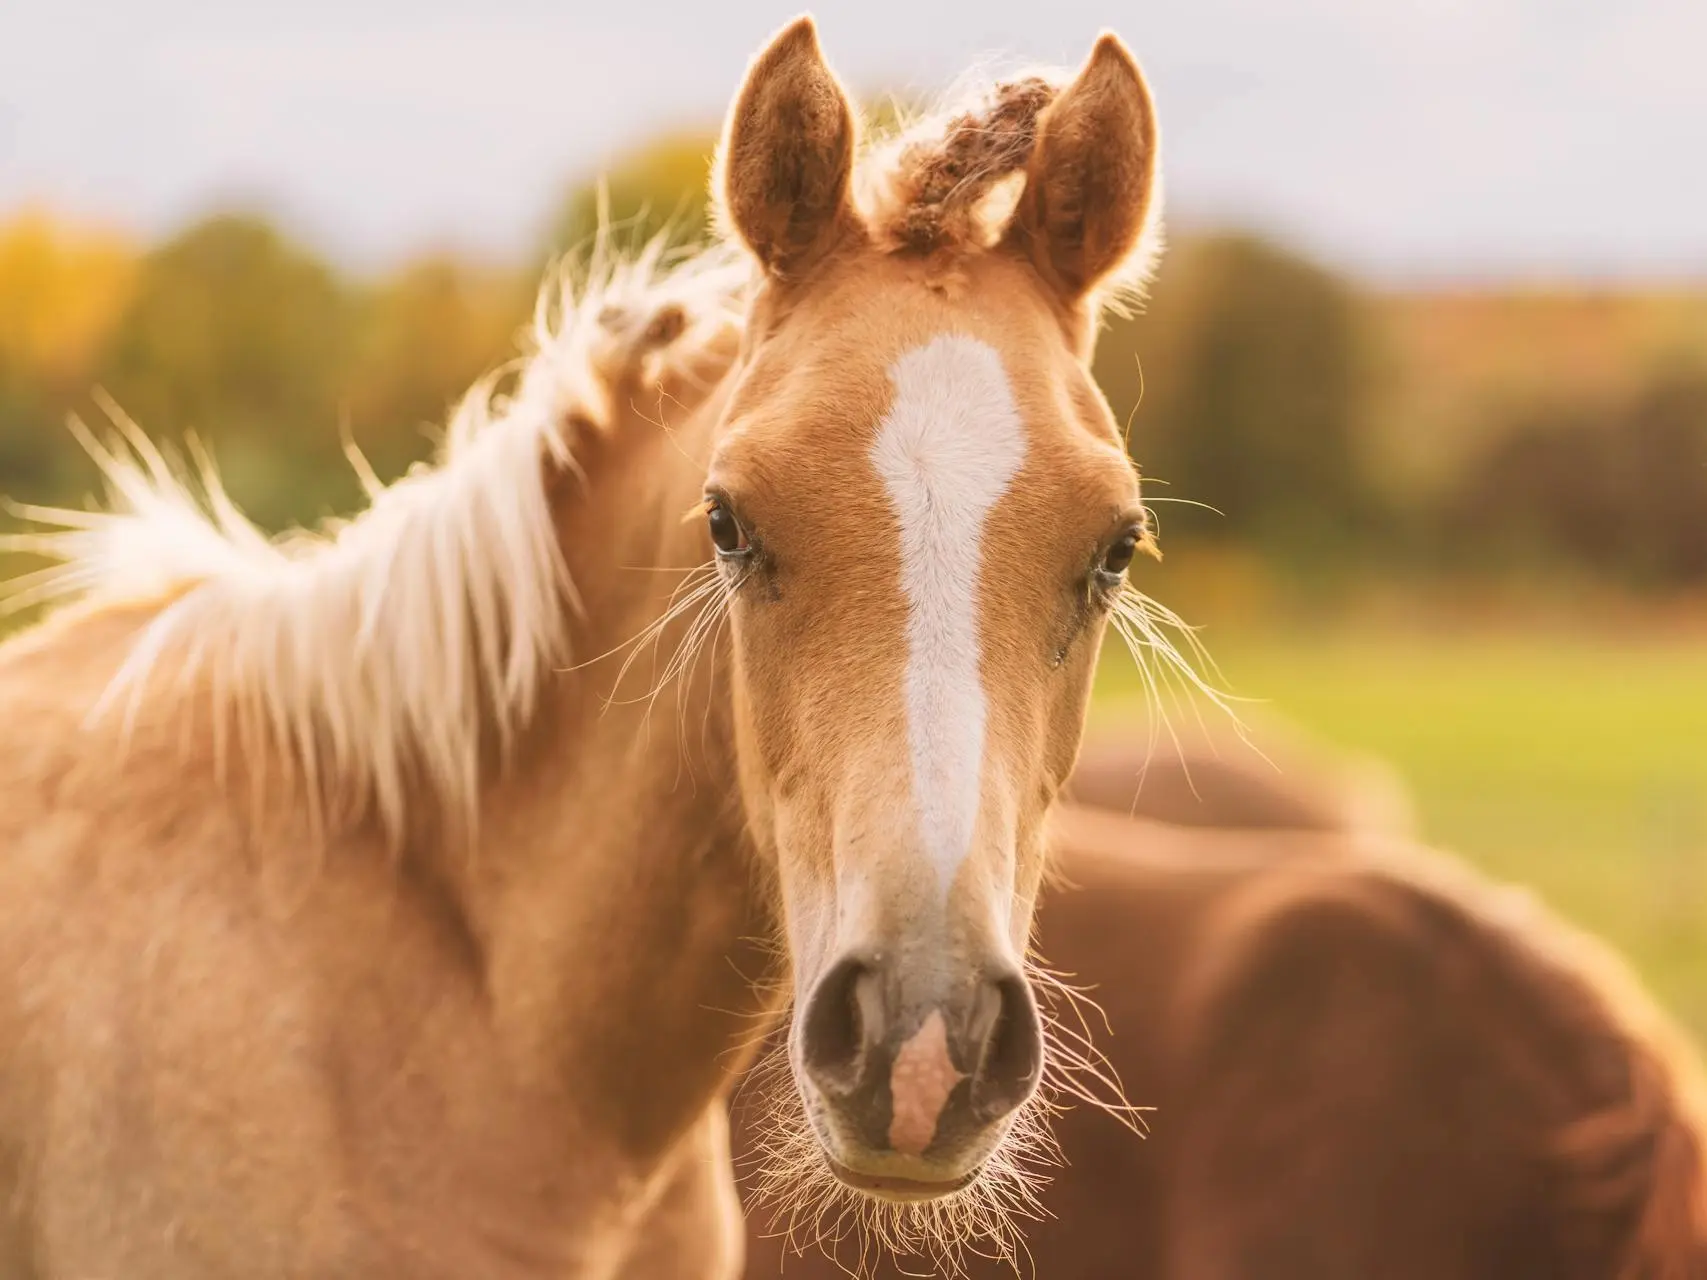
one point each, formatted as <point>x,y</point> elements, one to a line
<point>925,510</point>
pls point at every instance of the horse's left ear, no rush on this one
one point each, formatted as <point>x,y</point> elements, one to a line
<point>1091,197</point>
<point>786,161</point>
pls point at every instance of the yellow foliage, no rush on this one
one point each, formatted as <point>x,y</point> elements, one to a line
<point>662,185</point>
<point>62,288</point>
<point>428,331</point>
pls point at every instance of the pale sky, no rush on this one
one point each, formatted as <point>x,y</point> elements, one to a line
<point>1459,138</point>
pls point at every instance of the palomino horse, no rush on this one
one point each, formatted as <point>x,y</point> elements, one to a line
<point>1364,1062</point>
<point>362,921</point>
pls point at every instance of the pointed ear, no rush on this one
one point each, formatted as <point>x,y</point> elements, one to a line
<point>786,161</point>
<point>1092,189</point>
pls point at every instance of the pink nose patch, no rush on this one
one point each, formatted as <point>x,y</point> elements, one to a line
<point>919,1084</point>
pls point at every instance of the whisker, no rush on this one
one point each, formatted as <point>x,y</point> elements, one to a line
<point>1184,502</point>
<point>695,576</point>
<point>1173,674</point>
<point>698,594</point>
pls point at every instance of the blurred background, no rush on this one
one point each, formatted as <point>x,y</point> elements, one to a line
<point>1430,344</point>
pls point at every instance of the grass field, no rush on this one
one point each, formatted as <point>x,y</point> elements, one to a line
<point>1574,765</point>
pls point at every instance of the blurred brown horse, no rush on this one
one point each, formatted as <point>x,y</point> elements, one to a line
<point>1364,1063</point>
<point>1267,777</point>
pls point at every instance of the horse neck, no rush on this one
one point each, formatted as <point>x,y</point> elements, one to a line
<point>624,913</point>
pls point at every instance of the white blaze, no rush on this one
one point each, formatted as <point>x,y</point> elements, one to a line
<point>946,451</point>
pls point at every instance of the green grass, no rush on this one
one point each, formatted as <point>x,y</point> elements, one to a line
<point>1576,766</point>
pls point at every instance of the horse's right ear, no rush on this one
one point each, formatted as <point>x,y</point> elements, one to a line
<point>785,165</point>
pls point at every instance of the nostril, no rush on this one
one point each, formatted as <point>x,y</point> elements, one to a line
<point>1012,1058</point>
<point>844,1005</point>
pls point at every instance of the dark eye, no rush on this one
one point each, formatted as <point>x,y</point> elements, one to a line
<point>1118,558</point>
<point>726,533</point>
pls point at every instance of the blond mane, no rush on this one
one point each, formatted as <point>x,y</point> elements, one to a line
<point>389,645</point>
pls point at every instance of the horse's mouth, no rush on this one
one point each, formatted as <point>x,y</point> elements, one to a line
<point>886,1186</point>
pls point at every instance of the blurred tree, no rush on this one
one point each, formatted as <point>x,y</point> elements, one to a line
<point>1662,445</point>
<point>427,333</point>
<point>1618,491</point>
<point>62,288</point>
<point>1462,364</point>
<point>245,338</point>
<point>664,184</point>
<point>1251,365</point>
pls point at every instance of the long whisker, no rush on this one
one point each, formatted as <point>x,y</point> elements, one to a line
<point>1183,502</point>
<point>691,578</point>
<point>711,685</point>
<point>1174,673</point>
<point>686,661</point>
<point>713,599</point>
<point>694,601</point>
<point>1074,1066</point>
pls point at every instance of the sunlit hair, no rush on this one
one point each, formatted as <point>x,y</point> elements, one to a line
<point>395,642</point>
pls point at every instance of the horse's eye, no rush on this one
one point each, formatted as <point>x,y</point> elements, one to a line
<point>726,533</point>
<point>1118,558</point>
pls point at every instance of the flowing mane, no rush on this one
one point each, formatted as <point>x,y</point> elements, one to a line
<point>388,642</point>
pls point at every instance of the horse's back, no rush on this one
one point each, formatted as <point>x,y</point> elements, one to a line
<point>1339,1109</point>
<point>1387,1067</point>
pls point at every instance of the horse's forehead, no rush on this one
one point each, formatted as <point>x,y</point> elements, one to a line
<point>874,310</point>
<point>940,362</point>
